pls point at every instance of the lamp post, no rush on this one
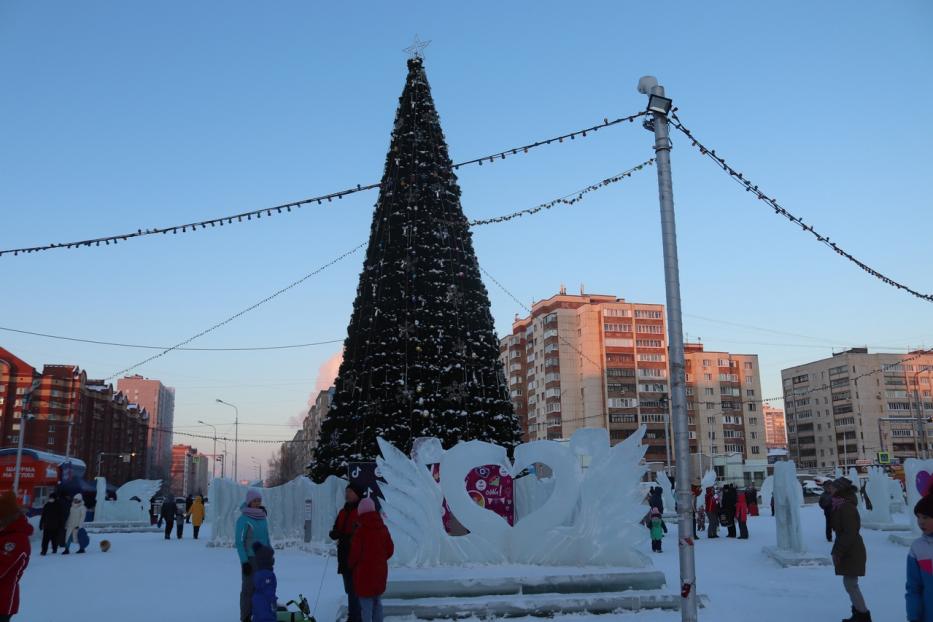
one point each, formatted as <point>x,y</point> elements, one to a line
<point>659,107</point>
<point>236,436</point>
<point>258,465</point>
<point>214,456</point>
<point>24,417</point>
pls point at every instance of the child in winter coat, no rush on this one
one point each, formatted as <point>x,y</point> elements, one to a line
<point>264,584</point>
<point>656,525</point>
<point>370,550</point>
<point>74,523</point>
<point>920,566</point>
<point>251,527</point>
<point>741,516</point>
<point>196,513</point>
<point>14,553</point>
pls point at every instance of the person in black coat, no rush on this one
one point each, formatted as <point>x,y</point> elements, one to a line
<point>52,524</point>
<point>656,499</point>
<point>730,497</point>
<point>168,515</point>
<point>826,504</point>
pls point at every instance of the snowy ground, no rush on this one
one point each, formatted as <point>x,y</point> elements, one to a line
<point>146,579</point>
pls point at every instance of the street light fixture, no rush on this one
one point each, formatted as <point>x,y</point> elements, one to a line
<point>214,456</point>
<point>236,436</point>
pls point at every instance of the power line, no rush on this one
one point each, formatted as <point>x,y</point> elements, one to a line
<point>132,345</point>
<point>277,209</point>
<point>240,313</point>
<point>773,204</point>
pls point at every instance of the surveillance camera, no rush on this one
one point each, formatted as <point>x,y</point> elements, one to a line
<point>646,83</point>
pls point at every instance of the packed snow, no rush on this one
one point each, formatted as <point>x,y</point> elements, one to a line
<point>144,578</point>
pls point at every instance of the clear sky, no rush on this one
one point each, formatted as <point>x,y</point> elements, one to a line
<point>116,116</point>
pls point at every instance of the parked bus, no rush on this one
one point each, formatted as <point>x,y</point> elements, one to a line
<point>41,473</point>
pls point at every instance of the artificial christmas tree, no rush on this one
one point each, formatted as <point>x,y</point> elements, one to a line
<point>421,354</point>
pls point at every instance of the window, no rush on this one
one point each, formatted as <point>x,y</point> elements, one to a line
<point>616,372</point>
<point>708,377</point>
<point>749,392</point>
<point>839,382</point>
<point>728,378</point>
<point>615,312</point>
<point>652,373</point>
<point>801,379</point>
<point>707,362</point>
<point>748,365</point>
<point>708,391</point>
<point>653,418</point>
<point>753,434</point>
<point>553,407</point>
<point>649,328</point>
<point>753,421</point>
<point>653,388</point>
<point>655,358</point>
<point>623,418</point>
<point>618,342</point>
<point>648,343</point>
<point>891,406</point>
<point>752,406</point>
<point>647,314</point>
<point>755,449</point>
<point>616,357</point>
<point>710,405</point>
<point>725,363</point>
<point>617,328</point>
<point>622,402</point>
<point>618,435</point>
<point>749,381</point>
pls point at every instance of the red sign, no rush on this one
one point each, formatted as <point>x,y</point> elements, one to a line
<point>490,486</point>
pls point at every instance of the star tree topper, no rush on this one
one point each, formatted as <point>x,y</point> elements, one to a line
<point>416,49</point>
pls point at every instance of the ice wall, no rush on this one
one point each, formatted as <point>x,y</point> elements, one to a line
<point>125,509</point>
<point>879,493</point>
<point>667,492</point>
<point>788,497</point>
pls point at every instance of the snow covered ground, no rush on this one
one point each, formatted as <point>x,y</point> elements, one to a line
<point>146,579</point>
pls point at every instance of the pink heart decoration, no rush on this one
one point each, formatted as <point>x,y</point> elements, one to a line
<point>923,482</point>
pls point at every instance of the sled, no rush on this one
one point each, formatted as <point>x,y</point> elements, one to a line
<point>303,614</point>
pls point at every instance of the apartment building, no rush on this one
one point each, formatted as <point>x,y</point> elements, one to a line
<point>845,409</point>
<point>775,433</point>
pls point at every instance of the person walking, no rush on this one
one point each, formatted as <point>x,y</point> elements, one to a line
<point>75,523</point>
<point>370,551</point>
<point>189,501</point>
<point>342,532</point>
<point>656,526</point>
<point>167,513</point>
<point>712,513</point>
<point>826,504</point>
<point>51,524</point>
<point>919,595</point>
<point>264,603</point>
<point>180,514</point>
<point>849,554</point>
<point>751,499</point>
<point>197,515</point>
<point>741,516</point>
<point>251,527</point>
<point>15,551</point>
<point>727,513</point>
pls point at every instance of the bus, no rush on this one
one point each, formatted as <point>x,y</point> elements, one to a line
<point>40,474</point>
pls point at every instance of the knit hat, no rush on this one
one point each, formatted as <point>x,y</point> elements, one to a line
<point>359,490</point>
<point>265,556</point>
<point>925,506</point>
<point>366,505</point>
<point>252,494</point>
<point>9,508</point>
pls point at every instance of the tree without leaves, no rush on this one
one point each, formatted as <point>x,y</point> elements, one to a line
<point>421,354</point>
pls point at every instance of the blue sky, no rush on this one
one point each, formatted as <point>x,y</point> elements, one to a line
<point>118,116</point>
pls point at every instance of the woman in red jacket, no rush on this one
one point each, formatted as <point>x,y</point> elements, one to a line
<point>370,550</point>
<point>741,516</point>
<point>14,553</point>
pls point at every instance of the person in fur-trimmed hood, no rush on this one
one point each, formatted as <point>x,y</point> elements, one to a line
<point>849,555</point>
<point>74,523</point>
<point>14,553</point>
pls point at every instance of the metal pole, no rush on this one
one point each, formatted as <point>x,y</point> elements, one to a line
<point>214,456</point>
<point>24,416</point>
<point>236,441</point>
<point>662,148</point>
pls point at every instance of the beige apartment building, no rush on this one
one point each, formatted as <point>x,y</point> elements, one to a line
<point>600,361</point>
<point>775,433</point>
<point>845,409</point>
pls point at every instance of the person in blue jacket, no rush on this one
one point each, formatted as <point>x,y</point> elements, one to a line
<point>251,527</point>
<point>920,566</point>
<point>264,584</point>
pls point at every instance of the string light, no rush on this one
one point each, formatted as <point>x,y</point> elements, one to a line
<point>203,224</point>
<point>773,204</point>
<point>240,313</point>
<point>144,347</point>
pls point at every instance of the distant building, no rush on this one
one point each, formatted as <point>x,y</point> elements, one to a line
<point>775,433</point>
<point>844,409</point>
<point>159,401</point>
<point>183,476</point>
<point>201,470</point>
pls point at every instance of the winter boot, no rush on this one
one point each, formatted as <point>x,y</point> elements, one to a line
<point>858,616</point>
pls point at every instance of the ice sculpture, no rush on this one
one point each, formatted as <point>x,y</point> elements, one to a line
<point>788,497</point>
<point>667,493</point>
<point>854,478</point>
<point>590,517</point>
<point>767,491</point>
<point>878,492</point>
<point>286,506</point>
<point>131,505</point>
<point>896,494</point>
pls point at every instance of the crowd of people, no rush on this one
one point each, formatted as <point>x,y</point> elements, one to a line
<point>175,513</point>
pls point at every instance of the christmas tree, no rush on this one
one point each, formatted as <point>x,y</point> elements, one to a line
<point>421,353</point>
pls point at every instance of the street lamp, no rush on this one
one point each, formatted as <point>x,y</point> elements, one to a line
<point>24,417</point>
<point>236,435</point>
<point>258,465</point>
<point>214,456</point>
<point>125,455</point>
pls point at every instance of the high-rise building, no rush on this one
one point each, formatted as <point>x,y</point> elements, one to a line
<point>159,401</point>
<point>600,361</point>
<point>845,409</point>
<point>724,410</point>
<point>590,361</point>
<point>183,474</point>
<point>775,434</point>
